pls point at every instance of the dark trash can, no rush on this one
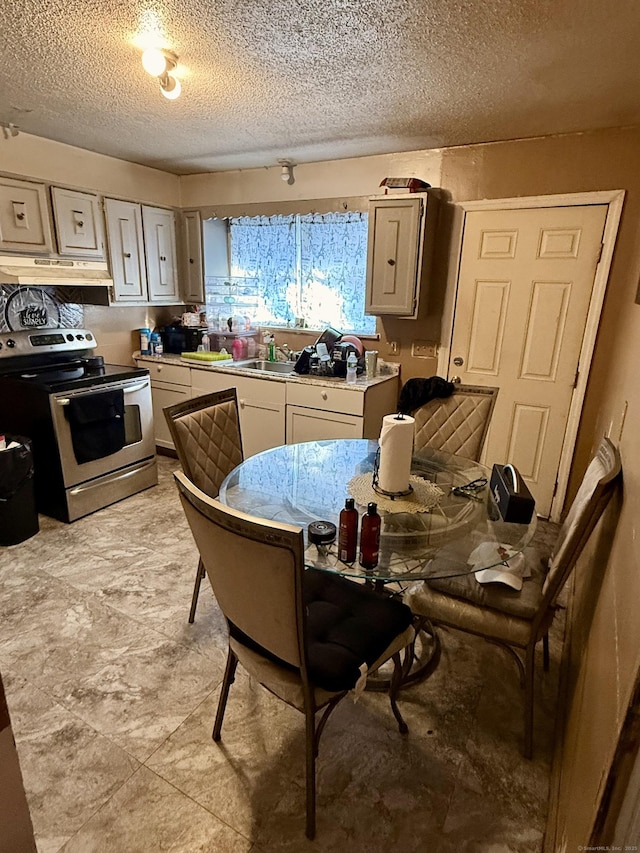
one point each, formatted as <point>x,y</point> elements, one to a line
<point>18,513</point>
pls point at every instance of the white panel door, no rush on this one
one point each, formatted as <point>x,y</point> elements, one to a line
<point>524,290</point>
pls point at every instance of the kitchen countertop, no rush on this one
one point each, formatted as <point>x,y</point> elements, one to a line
<point>361,383</point>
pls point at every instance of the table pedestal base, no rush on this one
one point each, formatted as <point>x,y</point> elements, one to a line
<point>422,657</point>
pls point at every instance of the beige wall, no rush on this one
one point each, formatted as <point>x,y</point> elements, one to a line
<point>55,162</point>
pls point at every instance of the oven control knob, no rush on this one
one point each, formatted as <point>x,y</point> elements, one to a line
<point>89,336</point>
<point>11,343</point>
<point>80,337</point>
<point>69,337</point>
<point>1,344</point>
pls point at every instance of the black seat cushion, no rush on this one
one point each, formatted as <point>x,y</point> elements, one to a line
<point>347,625</point>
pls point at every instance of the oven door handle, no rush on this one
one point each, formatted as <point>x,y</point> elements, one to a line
<point>64,401</point>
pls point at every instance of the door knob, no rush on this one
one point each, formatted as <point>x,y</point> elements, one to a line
<point>458,361</point>
<point>456,380</point>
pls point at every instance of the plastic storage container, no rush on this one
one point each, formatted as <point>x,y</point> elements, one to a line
<point>145,335</point>
<point>18,513</point>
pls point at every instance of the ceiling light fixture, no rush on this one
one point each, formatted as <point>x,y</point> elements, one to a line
<point>162,64</point>
<point>287,171</point>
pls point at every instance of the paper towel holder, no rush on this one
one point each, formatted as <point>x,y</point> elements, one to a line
<point>376,486</point>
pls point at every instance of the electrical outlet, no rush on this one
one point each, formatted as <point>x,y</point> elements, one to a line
<point>424,349</point>
<point>394,348</point>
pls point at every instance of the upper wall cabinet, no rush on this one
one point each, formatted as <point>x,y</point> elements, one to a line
<point>142,251</point>
<point>25,225</point>
<point>159,228</point>
<point>78,221</point>
<point>399,249</point>
<point>126,250</point>
<point>192,263</point>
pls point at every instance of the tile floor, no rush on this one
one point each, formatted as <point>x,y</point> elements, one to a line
<point>112,696</point>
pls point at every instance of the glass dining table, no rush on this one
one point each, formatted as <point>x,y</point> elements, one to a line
<point>462,532</point>
<point>459,533</point>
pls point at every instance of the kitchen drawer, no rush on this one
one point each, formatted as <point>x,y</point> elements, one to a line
<point>261,389</point>
<point>325,397</point>
<point>207,381</point>
<point>177,374</point>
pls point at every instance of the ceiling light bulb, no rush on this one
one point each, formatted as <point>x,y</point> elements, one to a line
<point>287,172</point>
<point>154,61</point>
<point>170,87</point>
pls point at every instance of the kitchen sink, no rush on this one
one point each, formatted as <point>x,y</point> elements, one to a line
<point>266,366</point>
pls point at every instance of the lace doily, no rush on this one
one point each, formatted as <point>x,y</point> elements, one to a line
<point>424,497</point>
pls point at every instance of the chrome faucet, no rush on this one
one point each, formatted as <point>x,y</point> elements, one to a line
<point>286,351</point>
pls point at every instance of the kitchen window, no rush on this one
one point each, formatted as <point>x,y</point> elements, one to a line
<point>310,266</point>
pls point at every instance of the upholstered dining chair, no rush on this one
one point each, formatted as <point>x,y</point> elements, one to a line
<point>519,620</point>
<point>206,434</point>
<point>307,636</point>
<point>458,423</point>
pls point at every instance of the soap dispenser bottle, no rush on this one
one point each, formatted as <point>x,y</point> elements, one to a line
<point>348,532</point>
<point>370,537</point>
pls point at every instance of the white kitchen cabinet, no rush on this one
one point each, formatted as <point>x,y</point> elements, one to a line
<point>316,412</point>
<point>25,225</point>
<point>261,406</point>
<point>399,250</point>
<point>316,425</point>
<point>170,384</point>
<point>192,284</point>
<point>78,220</point>
<point>126,250</point>
<point>160,248</point>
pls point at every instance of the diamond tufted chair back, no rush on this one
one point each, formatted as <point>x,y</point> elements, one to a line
<point>206,434</point>
<point>457,424</point>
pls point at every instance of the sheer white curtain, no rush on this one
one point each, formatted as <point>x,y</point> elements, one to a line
<point>311,266</point>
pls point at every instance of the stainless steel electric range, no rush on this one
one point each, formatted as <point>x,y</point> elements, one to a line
<point>91,424</point>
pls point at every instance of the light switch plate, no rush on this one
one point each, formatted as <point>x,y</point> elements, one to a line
<point>424,349</point>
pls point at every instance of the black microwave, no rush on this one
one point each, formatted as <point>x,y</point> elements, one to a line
<point>178,339</point>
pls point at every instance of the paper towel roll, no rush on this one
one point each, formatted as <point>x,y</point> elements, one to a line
<point>396,447</point>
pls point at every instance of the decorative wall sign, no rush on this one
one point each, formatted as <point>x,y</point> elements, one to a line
<point>36,308</point>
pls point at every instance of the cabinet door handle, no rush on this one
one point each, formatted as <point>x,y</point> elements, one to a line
<point>324,395</point>
<point>242,404</point>
<point>127,254</point>
<point>391,262</point>
<point>162,258</point>
<point>191,261</point>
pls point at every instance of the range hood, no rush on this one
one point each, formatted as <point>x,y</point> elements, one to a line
<point>53,271</point>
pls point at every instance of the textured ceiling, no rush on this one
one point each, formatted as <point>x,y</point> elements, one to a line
<point>315,79</point>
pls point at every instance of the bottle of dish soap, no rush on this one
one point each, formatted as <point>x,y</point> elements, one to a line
<point>206,342</point>
<point>271,349</point>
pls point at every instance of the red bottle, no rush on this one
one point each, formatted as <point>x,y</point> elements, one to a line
<point>348,535</point>
<point>370,537</point>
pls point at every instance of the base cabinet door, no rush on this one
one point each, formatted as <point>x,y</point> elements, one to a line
<point>165,394</point>
<point>261,407</point>
<point>315,425</point>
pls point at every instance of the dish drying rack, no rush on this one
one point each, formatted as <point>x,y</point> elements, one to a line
<point>228,296</point>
